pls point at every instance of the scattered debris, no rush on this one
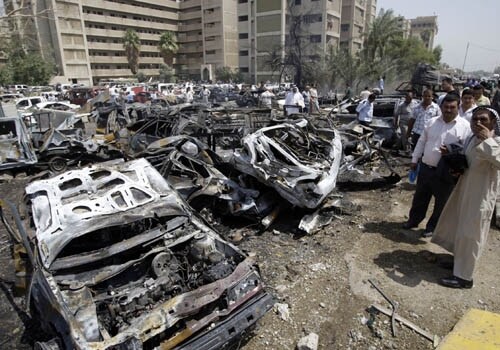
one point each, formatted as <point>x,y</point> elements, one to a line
<point>309,342</point>
<point>433,338</point>
<point>283,311</point>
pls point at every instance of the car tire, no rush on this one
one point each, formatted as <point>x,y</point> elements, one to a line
<point>249,104</point>
<point>58,164</point>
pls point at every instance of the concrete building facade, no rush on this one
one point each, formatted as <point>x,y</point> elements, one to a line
<point>84,37</point>
<point>264,32</point>
<point>425,28</point>
<point>356,18</point>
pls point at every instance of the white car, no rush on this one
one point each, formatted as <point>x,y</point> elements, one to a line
<point>58,106</point>
<point>28,102</point>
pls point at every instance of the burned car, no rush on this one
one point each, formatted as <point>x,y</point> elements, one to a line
<point>16,148</point>
<point>300,161</point>
<point>120,261</point>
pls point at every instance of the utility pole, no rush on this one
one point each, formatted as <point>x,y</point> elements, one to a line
<point>465,58</point>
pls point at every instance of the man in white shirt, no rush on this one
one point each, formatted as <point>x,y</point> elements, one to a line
<point>439,131</point>
<point>294,101</point>
<point>365,110</point>
<point>363,95</point>
<point>467,104</point>
<point>266,99</point>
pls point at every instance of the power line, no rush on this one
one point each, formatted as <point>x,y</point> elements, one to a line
<point>484,47</point>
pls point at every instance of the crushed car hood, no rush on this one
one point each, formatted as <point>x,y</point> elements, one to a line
<point>81,201</point>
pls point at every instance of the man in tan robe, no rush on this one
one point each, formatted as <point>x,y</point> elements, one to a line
<point>465,221</point>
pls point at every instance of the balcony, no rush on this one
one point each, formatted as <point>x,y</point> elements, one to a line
<point>116,7</point>
<point>123,60</point>
<point>108,33</point>
<point>189,15</point>
<point>189,27</point>
<point>128,22</point>
<point>71,31</point>
<point>183,38</point>
<point>120,73</point>
<point>212,31</point>
<point>189,3</point>
<point>190,49</point>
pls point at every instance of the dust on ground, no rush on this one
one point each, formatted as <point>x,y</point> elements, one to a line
<point>323,278</point>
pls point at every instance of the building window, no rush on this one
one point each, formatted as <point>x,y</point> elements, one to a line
<point>243,35</point>
<point>210,52</point>
<point>298,2</point>
<point>344,27</point>
<point>315,38</point>
<point>244,69</point>
<point>312,18</point>
<point>242,18</point>
<point>244,53</point>
<point>242,1</point>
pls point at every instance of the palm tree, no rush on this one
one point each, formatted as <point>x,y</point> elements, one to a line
<point>132,46</point>
<point>384,30</point>
<point>168,47</point>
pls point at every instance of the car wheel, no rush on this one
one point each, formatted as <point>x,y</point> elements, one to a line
<point>52,344</point>
<point>58,164</point>
<point>249,104</point>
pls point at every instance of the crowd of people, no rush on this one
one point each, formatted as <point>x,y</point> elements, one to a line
<point>455,145</point>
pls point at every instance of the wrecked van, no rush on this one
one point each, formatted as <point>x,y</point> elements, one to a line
<point>120,261</point>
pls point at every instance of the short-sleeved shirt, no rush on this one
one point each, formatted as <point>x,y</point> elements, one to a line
<point>365,111</point>
<point>405,110</point>
<point>422,114</point>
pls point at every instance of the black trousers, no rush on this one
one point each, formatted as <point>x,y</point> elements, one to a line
<point>414,140</point>
<point>429,184</point>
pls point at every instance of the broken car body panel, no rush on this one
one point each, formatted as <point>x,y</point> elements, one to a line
<point>298,160</point>
<point>124,262</point>
<point>16,149</point>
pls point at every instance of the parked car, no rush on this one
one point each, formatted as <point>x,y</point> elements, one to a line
<point>29,102</point>
<point>58,106</point>
<point>6,98</point>
<point>120,261</point>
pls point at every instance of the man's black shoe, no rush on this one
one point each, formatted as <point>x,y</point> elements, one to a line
<point>408,225</point>
<point>456,282</point>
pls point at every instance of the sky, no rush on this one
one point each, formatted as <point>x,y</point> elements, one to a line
<point>476,22</point>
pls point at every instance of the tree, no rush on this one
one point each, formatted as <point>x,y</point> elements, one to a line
<point>226,74</point>
<point>141,77</point>
<point>383,31</point>
<point>345,67</point>
<point>26,68</point>
<point>132,46</point>
<point>166,74</point>
<point>437,52</point>
<point>168,47</point>
<point>297,57</point>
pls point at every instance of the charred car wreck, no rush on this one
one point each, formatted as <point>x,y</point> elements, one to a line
<point>120,261</point>
<point>298,160</point>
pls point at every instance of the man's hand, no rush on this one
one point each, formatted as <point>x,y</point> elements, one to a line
<point>413,166</point>
<point>481,131</point>
<point>443,149</point>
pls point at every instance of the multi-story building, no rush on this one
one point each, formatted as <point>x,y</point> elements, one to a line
<point>264,32</point>
<point>84,37</point>
<point>356,18</point>
<point>425,28</point>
